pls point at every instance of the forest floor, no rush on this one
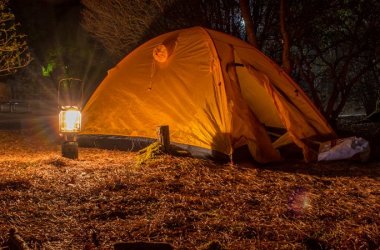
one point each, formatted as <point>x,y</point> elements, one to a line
<point>108,196</point>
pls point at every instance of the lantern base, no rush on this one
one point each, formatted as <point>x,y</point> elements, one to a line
<point>70,149</point>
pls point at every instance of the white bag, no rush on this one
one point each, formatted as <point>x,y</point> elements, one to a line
<point>346,148</point>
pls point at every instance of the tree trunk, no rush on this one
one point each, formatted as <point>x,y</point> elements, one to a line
<point>249,25</point>
<point>286,65</point>
<point>13,90</point>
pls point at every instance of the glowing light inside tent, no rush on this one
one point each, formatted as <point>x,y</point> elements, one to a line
<point>160,53</point>
<point>70,121</point>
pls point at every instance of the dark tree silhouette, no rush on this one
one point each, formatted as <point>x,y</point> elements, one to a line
<point>330,47</point>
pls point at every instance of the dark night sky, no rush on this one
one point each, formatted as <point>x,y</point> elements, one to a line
<point>41,17</point>
<point>54,25</point>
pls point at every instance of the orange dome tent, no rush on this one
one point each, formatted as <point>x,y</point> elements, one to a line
<point>214,91</point>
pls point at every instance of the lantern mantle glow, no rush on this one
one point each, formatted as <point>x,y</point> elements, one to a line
<point>70,120</point>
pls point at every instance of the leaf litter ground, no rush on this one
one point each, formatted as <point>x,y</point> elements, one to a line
<point>111,196</point>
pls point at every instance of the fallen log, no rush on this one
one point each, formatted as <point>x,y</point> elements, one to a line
<point>143,246</point>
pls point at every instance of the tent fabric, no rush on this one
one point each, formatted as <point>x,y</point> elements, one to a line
<point>213,90</point>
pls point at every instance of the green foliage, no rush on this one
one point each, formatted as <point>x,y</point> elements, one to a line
<point>152,151</point>
<point>46,71</point>
<point>156,149</point>
<point>13,47</point>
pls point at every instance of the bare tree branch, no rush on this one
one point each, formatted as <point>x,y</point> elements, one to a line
<point>13,48</point>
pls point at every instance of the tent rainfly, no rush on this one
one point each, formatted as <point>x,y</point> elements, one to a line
<point>216,92</point>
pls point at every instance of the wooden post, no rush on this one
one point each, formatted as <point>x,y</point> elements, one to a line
<point>163,137</point>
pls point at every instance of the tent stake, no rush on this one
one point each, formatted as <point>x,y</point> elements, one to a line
<point>163,137</point>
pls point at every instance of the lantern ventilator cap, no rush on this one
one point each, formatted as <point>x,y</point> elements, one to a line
<point>64,108</point>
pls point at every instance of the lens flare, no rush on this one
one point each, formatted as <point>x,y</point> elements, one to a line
<point>299,201</point>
